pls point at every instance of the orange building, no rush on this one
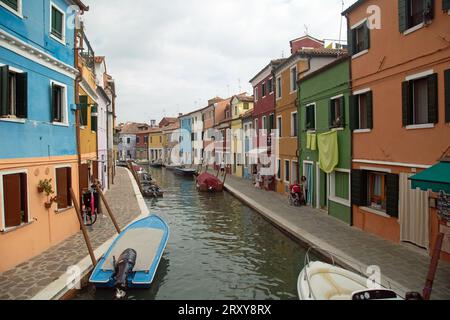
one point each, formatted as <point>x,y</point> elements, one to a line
<point>400,126</point>
<point>307,56</point>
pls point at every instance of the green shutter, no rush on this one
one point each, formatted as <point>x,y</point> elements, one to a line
<point>83,110</point>
<point>445,4</point>
<point>57,23</point>
<point>342,105</point>
<point>359,187</point>
<point>406,102</point>
<point>22,95</point>
<point>366,36</point>
<point>53,96</point>
<point>12,4</point>
<point>354,113</point>
<point>433,104</point>
<point>447,94</point>
<point>429,9</point>
<point>369,102</point>
<point>4,90</point>
<point>94,123</point>
<point>402,15</point>
<point>350,42</point>
<point>331,113</point>
<point>392,197</point>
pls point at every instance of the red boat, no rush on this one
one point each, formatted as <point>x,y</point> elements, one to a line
<point>206,182</point>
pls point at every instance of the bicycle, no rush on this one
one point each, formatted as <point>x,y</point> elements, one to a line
<point>90,202</point>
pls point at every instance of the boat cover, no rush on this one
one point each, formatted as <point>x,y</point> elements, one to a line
<point>209,180</point>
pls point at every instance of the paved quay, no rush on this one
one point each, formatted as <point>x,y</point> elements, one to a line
<point>402,267</point>
<point>31,279</point>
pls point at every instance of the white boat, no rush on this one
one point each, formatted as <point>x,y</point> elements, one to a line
<point>322,281</point>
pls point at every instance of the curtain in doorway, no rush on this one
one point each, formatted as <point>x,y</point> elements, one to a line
<point>414,214</point>
<point>309,183</point>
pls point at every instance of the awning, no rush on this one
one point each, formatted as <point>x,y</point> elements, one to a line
<point>436,178</point>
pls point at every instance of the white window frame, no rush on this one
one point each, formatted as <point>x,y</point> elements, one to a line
<point>292,80</point>
<point>271,79</point>
<point>355,26</point>
<point>256,93</point>
<point>284,171</point>
<point>278,168</point>
<point>256,127</point>
<point>292,124</point>
<point>19,8</point>
<point>63,40</point>
<point>2,207</point>
<point>264,121</point>
<point>17,120</point>
<point>280,127</point>
<point>315,117</point>
<point>414,77</point>
<point>279,86</point>
<point>65,105</point>
<point>56,184</point>
<point>264,89</point>
<point>332,183</point>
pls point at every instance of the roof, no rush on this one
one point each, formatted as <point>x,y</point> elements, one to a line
<point>307,37</point>
<point>353,7</point>
<point>247,114</point>
<point>243,97</point>
<point>81,5</point>
<point>171,127</point>
<point>132,128</point>
<point>273,63</point>
<point>319,52</point>
<point>325,68</point>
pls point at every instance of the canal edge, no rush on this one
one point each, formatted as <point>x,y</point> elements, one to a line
<point>310,240</point>
<point>62,288</point>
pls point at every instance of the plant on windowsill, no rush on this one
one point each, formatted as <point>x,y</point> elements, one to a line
<point>45,186</point>
<point>50,202</point>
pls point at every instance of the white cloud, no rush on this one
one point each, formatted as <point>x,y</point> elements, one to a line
<point>172,56</point>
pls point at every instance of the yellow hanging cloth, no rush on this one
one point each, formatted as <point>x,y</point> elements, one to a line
<point>328,151</point>
<point>308,141</point>
<point>313,142</point>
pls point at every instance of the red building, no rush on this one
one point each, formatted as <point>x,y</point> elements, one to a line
<point>142,146</point>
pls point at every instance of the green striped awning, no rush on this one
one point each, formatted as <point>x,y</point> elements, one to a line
<point>436,178</point>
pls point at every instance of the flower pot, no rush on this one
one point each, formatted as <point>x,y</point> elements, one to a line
<point>48,205</point>
<point>40,189</point>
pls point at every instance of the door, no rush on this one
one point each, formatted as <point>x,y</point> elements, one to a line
<point>309,188</point>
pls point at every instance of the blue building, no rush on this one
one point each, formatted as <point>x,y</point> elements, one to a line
<point>186,138</point>
<point>37,126</point>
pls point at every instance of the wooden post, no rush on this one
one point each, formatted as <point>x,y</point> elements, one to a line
<point>225,177</point>
<point>111,215</point>
<point>83,228</point>
<point>433,267</point>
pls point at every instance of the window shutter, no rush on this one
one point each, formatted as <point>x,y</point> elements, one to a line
<point>359,187</point>
<point>402,15</point>
<point>83,110</point>
<point>22,95</point>
<point>429,9</point>
<point>354,113</point>
<point>366,36</point>
<point>447,94</point>
<point>11,198</point>
<point>69,186</point>
<point>369,102</point>
<point>433,104</point>
<point>445,4</point>
<point>84,177</point>
<point>342,105</point>
<point>330,113</point>
<point>350,42</point>
<point>406,101</point>
<point>4,90</point>
<point>392,197</point>
<point>61,186</point>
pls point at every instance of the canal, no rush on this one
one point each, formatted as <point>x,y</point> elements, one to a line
<point>218,249</point>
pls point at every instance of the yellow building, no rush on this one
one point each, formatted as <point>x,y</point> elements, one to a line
<point>240,104</point>
<point>156,142</point>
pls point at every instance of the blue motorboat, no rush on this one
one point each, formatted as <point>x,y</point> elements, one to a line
<point>133,258</point>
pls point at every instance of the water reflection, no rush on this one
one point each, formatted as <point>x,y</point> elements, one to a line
<point>218,249</point>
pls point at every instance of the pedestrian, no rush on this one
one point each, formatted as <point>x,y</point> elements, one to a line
<point>305,189</point>
<point>222,167</point>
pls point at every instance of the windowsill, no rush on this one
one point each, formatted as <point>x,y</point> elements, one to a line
<point>413,29</point>
<point>362,131</point>
<point>420,126</point>
<point>9,230</point>
<point>342,201</point>
<point>337,128</point>
<point>60,211</point>
<point>311,130</point>
<point>359,54</point>
<point>15,120</point>
<point>375,211</point>
<point>60,124</point>
<point>62,41</point>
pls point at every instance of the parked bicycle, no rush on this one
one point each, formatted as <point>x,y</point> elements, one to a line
<point>90,202</point>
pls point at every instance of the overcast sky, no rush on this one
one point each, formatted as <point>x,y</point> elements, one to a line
<point>172,56</point>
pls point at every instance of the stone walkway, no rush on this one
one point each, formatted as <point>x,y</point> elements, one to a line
<point>29,278</point>
<point>403,267</point>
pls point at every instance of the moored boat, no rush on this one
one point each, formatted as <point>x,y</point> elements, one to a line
<point>188,172</point>
<point>207,182</point>
<point>133,258</point>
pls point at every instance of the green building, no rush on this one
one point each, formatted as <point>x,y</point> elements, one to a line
<point>325,138</point>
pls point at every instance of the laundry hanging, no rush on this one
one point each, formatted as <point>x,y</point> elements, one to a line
<point>313,142</point>
<point>328,151</point>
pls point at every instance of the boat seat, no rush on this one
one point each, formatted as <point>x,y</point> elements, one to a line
<point>146,243</point>
<point>331,283</point>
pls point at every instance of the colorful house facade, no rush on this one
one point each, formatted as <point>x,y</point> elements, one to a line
<point>37,108</point>
<point>155,145</point>
<point>399,113</point>
<point>324,110</point>
<point>185,140</point>
<point>222,114</point>
<point>303,60</point>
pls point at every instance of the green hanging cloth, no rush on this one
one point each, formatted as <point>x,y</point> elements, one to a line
<point>328,151</point>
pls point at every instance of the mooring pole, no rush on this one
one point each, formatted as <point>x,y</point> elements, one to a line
<point>433,266</point>
<point>108,208</point>
<point>225,177</point>
<point>83,228</point>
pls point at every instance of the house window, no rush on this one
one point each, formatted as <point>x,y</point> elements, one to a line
<point>359,38</point>
<point>294,124</point>
<point>256,94</point>
<point>15,199</point>
<point>83,110</point>
<point>271,124</point>
<point>128,140</point>
<point>160,139</point>
<point>264,89</point>
<point>337,119</point>
<point>264,123</point>
<point>377,191</point>
<point>137,139</point>
<point>279,92</point>
<point>413,13</point>
<point>256,127</point>
<point>270,86</point>
<point>246,106</point>
<point>59,103</point>
<point>145,139</point>
<point>280,126</point>
<point>340,185</point>
<point>310,119</point>
<point>420,101</point>
<point>57,23</point>
<point>287,171</point>
<point>278,169</point>
<point>361,111</point>
<point>63,185</point>
<point>13,94</point>
<point>293,79</point>
<point>236,110</point>
<point>12,5</point>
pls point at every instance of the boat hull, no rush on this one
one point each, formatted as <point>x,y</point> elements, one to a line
<point>103,276</point>
<point>185,172</point>
<point>206,182</point>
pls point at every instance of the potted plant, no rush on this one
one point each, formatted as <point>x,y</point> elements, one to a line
<point>45,186</point>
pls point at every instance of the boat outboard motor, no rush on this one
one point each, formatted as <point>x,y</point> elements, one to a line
<point>124,267</point>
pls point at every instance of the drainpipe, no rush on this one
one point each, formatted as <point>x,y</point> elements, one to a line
<point>107,141</point>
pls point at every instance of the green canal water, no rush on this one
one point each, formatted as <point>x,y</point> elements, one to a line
<point>218,249</point>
